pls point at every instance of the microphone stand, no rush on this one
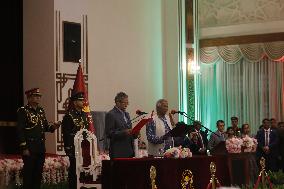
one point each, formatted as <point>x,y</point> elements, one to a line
<point>185,115</point>
<point>130,121</point>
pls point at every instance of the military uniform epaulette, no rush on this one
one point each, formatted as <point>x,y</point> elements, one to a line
<point>41,108</point>
<point>29,107</point>
<point>21,108</point>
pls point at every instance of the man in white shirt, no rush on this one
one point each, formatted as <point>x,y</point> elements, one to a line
<point>156,130</point>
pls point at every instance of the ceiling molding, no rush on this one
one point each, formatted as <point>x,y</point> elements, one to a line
<point>246,39</point>
<point>242,29</point>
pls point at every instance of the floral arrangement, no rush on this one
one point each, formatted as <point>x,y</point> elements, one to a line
<point>249,144</point>
<point>54,170</point>
<point>234,145</point>
<point>142,153</point>
<point>2,166</point>
<point>237,145</point>
<point>103,156</point>
<point>11,168</point>
<point>178,152</point>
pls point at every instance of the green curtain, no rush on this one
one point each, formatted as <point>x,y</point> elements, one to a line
<point>249,90</point>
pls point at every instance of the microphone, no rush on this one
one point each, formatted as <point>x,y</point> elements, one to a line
<point>139,112</point>
<point>177,112</point>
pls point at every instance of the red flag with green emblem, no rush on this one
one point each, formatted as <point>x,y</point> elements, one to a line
<point>79,86</point>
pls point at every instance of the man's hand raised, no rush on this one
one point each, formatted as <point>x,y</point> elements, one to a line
<point>56,125</point>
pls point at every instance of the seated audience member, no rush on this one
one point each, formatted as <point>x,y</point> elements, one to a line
<point>218,136</point>
<point>230,133</point>
<point>234,123</point>
<point>267,145</point>
<point>197,140</point>
<point>161,124</point>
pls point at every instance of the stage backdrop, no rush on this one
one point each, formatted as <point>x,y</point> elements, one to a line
<point>127,45</point>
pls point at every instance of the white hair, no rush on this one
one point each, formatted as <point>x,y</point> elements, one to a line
<point>159,102</point>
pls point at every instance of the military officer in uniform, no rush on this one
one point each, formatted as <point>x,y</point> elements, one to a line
<point>74,120</point>
<point>32,124</point>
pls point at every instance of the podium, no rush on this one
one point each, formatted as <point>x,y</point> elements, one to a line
<point>120,173</point>
<point>241,165</point>
<point>180,130</point>
<point>240,169</point>
<point>220,149</point>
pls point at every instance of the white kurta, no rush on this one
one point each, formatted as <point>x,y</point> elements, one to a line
<point>156,149</point>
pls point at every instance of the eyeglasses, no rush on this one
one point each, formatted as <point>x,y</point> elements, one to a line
<point>124,102</point>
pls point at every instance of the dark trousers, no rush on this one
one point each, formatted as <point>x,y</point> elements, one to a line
<point>72,177</point>
<point>281,163</point>
<point>272,163</point>
<point>33,167</point>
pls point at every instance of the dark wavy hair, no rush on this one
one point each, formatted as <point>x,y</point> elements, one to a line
<point>120,96</point>
<point>219,121</point>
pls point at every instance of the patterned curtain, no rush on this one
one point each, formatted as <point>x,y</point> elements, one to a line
<point>246,81</point>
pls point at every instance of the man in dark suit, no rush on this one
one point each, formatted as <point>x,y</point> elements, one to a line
<point>118,129</point>
<point>267,145</point>
<point>197,141</point>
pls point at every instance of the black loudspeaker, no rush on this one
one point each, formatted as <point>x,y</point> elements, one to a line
<point>71,42</point>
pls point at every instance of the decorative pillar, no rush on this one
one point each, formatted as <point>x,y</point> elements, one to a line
<point>193,76</point>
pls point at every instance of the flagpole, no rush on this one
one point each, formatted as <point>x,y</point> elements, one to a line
<point>79,86</point>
